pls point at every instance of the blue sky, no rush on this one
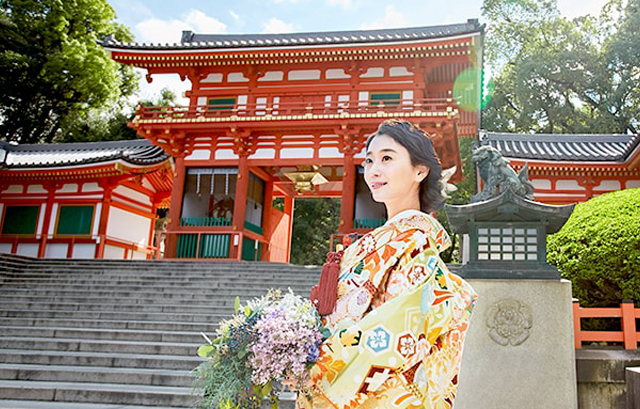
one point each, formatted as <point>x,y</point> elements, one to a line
<point>162,21</point>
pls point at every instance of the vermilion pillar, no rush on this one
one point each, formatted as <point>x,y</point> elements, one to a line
<point>288,210</point>
<point>51,192</point>
<point>348,194</point>
<point>240,203</point>
<point>176,208</point>
<point>267,212</point>
<point>107,187</point>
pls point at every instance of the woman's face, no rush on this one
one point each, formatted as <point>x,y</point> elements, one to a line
<point>391,177</point>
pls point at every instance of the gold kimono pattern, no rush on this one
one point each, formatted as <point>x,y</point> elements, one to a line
<point>398,325</point>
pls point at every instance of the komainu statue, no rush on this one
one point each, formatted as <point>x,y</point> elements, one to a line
<point>498,175</point>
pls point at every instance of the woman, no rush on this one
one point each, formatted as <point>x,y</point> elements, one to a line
<point>400,317</point>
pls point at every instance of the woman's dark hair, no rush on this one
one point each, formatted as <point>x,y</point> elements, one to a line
<point>421,152</point>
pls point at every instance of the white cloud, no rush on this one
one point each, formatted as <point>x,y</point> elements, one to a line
<point>170,31</point>
<point>234,15</point>
<point>276,26</point>
<point>391,19</point>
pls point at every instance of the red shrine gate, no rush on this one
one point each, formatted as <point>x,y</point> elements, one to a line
<point>288,115</point>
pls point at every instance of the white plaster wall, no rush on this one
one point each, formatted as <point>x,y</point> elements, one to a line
<point>225,154</point>
<point>5,248</point>
<point>304,75</point>
<point>202,102</point>
<point>138,255</point>
<point>334,73</point>
<point>128,226</point>
<point>27,249</point>
<point>568,185</point>
<point>272,76</point>
<point>91,187</point>
<point>329,153</point>
<point>407,97</point>
<point>398,71</point>
<point>199,154</point>
<point>132,194</point>
<point>112,252</point>
<point>39,229</point>
<point>96,219</point>
<point>68,188</point>
<point>84,250</point>
<point>214,77</point>
<point>36,189</point>
<point>631,184</point>
<point>14,189</point>
<point>292,153</point>
<point>373,73</point>
<point>544,184</point>
<point>54,216</point>
<point>263,153</point>
<point>56,250</point>
<point>237,77</point>
<point>609,185</point>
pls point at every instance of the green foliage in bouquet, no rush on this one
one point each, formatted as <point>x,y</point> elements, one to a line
<point>598,249</point>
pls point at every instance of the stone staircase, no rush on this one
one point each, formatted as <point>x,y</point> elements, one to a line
<point>106,334</point>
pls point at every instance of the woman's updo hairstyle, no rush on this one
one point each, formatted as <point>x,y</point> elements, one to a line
<point>421,152</point>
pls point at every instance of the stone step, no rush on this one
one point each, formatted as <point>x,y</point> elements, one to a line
<point>212,316</point>
<point>23,404</point>
<point>97,393</point>
<point>150,292</point>
<point>130,298</point>
<point>98,345</point>
<point>190,283</point>
<point>61,373</point>
<point>152,276</point>
<point>106,334</point>
<point>112,324</point>
<point>99,359</point>
<point>98,305</point>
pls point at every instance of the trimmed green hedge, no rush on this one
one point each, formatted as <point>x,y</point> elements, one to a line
<point>598,249</point>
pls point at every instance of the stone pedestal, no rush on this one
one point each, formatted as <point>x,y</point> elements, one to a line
<point>519,351</point>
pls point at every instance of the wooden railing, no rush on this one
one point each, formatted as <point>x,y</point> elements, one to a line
<point>629,336</point>
<point>295,108</point>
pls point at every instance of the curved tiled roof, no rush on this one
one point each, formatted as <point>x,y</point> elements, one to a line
<point>135,152</point>
<point>561,147</point>
<point>191,40</point>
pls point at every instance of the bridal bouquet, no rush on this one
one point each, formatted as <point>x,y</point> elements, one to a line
<point>273,338</point>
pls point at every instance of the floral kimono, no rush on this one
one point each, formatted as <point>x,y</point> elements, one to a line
<point>398,325</point>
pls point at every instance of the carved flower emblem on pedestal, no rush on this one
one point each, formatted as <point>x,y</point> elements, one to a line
<point>509,322</point>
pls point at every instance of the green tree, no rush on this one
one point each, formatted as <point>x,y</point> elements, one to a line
<point>315,220</point>
<point>108,124</point>
<point>598,249</point>
<point>52,67</point>
<point>556,75</point>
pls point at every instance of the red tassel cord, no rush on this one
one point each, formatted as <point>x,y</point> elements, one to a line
<point>325,294</point>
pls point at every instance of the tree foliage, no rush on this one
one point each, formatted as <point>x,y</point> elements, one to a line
<point>556,75</point>
<point>598,249</point>
<point>52,68</point>
<point>108,124</point>
<point>314,222</point>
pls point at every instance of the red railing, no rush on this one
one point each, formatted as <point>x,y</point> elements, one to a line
<point>629,336</point>
<point>295,108</point>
